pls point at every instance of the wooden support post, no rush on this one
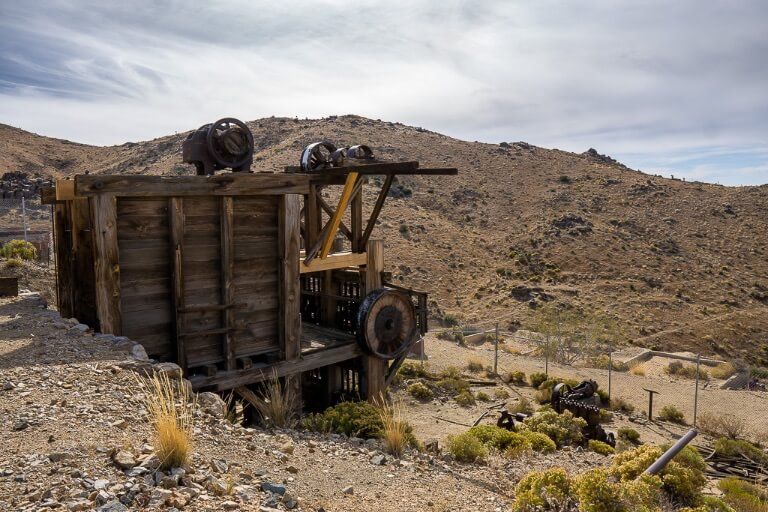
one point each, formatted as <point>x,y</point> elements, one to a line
<point>356,214</point>
<point>290,317</point>
<point>107,264</point>
<point>375,369</point>
<point>63,232</point>
<point>83,293</point>
<point>227,278</point>
<point>176,225</point>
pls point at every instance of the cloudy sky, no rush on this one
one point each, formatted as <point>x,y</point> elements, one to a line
<point>667,87</point>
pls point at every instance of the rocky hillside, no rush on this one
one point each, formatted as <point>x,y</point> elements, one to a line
<point>682,265</point>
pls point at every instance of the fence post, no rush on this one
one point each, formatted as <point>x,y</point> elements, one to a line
<point>610,370</point>
<point>546,358</point>
<point>496,352</point>
<point>24,216</point>
<point>696,392</point>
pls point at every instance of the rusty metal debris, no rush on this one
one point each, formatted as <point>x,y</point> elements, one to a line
<point>323,155</point>
<point>582,401</point>
<point>227,143</point>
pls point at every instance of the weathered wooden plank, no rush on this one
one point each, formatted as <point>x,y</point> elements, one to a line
<point>47,195</point>
<point>290,289</point>
<point>106,263</point>
<point>142,207</point>
<point>176,222</point>
<point>65,190</point>
<point>374,369</point>
<point>334,261</point>
<point>227,277</point>
<point>260,372</point>
<point>84,292</point>
<point>220,184</point>
<point>356,220</point>
<point>63,244</point>
<point>9,286</point>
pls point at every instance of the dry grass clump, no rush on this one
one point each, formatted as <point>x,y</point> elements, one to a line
<point>420,391</point>
<point>475,364</point>
<point>13,263</point>
<point>500,394</point>
<point>723,371</point>
<point>678,369</point>
<point>279,405</point>
<point>523,405</point>
<point>396,433</point>
<point>638,370</point>
<point>171,412</point>
<point>465,398</point>
<point>721,425</point>
<point>621,405</point>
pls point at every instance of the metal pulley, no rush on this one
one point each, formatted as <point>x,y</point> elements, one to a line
<point>324,154</point>
<point>227,143</point>
<point>386,323</point>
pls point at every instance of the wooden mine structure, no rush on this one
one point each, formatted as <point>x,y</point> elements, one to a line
<point>237,277</point>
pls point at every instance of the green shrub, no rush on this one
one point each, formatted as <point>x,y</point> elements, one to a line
<point>466,448</point>
<point>672,414</point>
<point>454,335</point>
<point>500,394</point>
<point>713,504</point>
<point>483,396</point>
<point>450,320</point>
<point>411,370</point>
<point>677,368</point>
<point>452,382</point>
<point>723,371</point>
<point>629,434</point>
<point>420,391</point>
<point>600,447</point>
<point>516,377</point>
<point>19,249</point>
<point>618,404</point>
<point>738,447</point>
<point>602,361</point>
<point>744,496</point>
<point>540,443</point>
<point>493,436</point>
<point>358,419</point>
<point>563,429</point>
<point>519,446</point>
<point>682,479</point>
<point>14,263</point>
<point>451,372</point>
<point>598,491</point>
<point>465,398</point>
<point>605,415</point>
<point>475,364</point>
<point>548,490</point>
<point>603,394</point>
<point>523,406</point>
<point>537,378</point>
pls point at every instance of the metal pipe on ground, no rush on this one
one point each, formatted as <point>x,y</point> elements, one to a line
<point>673,450</point>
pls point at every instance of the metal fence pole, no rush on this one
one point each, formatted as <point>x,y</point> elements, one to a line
<point>496,352</point>
<point>24,217</point>
<point>546,358</point>
<point>696,392</point>
<point>610,369</point>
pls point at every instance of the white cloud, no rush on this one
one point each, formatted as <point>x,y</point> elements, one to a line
<point>641,80</point>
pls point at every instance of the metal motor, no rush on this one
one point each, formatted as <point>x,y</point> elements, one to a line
<point>227,143</point>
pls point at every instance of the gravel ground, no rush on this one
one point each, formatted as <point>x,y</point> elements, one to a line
<point>71,412</point>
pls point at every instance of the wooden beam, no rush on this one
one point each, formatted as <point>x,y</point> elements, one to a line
<point>313,220</point>
<point>376,209</point>
<point>346,195</point>
<point>334,261</point>
<point>374,368</point>
<point>47,195</point>
<point>379,168</point>
<point>231,184</point>
<point>261,372</point>
<point>290,288</point>
<point>107,264</point>
<point>65,190</point>
<point>176,225</point>
<point>327,208</point>
<point>227,237</point>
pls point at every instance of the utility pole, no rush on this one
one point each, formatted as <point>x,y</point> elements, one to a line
<point>24,216</point>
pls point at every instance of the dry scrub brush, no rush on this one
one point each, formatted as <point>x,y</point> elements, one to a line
<point>171,411</point>
<point>279,404</point>
<point>396,434</point>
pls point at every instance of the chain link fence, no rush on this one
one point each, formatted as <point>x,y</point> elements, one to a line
<point>27,219</point>
<point>684,388</point>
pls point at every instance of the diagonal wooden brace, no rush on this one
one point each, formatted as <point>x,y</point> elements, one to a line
<point>346,195</point>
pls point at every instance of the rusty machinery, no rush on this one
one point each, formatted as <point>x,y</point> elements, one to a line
<point>225,144</point>
<point>386,318</point>
<point>582,401</point>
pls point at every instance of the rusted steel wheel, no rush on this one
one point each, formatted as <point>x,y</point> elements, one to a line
<point>230,142</point>
<point>386,323</point>
<point>318,155</point>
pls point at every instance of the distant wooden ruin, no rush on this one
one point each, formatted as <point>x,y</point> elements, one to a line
<point>240,277</point>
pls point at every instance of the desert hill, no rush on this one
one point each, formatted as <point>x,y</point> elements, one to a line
<point>681,265</point>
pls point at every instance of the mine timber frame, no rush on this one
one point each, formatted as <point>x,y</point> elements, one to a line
<point>314,275</point>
